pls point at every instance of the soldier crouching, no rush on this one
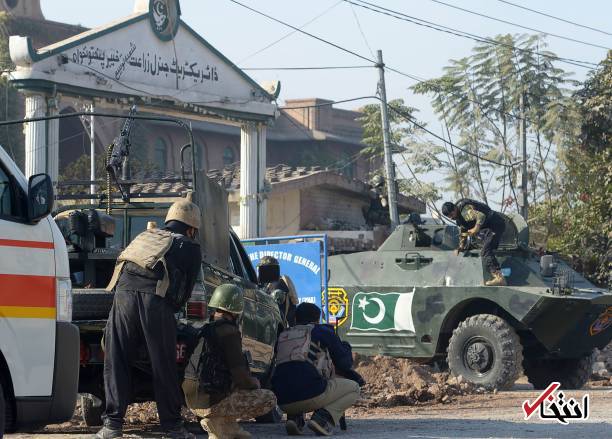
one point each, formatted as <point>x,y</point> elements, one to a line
<point>218,385</point>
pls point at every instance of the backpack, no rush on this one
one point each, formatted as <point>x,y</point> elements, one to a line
<point>295,344</point>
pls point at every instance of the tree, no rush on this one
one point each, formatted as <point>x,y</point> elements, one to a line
<point>404,138</point>
<point>581,212</point>
<point>478,100</point>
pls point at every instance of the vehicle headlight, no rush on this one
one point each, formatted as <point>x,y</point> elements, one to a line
<point>63,297</point>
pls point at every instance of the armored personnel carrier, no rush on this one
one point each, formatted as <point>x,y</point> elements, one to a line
<point>415,297</point>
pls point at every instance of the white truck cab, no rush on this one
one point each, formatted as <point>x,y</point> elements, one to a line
<point>39,347</point>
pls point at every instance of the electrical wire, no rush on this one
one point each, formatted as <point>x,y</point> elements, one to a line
<point>519,25</point>
<point>440,28</point>
<point>410,119</point>
<point>297,29</point>
<point>365,39</point>
<point>289,34</point>
<point>555,18</point>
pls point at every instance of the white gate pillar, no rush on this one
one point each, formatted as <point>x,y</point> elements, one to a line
<point>261,176</point>
<point>249,164</point>
<point>35,135</point>
<point>53,140</point>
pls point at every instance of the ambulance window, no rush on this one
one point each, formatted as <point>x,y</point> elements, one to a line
<point>8,206</point>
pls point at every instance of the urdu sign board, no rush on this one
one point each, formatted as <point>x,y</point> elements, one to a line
<point>151,53</point>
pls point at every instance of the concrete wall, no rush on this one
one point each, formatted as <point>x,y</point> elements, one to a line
<point>321,208</point>
<point>283,214</point>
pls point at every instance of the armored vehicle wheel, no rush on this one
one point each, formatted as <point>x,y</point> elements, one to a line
<point>92,410</point>
<point>572,373</point>
<point>485,350</point>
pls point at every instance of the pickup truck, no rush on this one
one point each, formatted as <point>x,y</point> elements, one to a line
<point>96,238</point>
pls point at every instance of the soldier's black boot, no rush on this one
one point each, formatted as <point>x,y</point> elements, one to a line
<point>321,423</point>
<point>178,432</point>
<point>108,432</point>
<point>295,425</point>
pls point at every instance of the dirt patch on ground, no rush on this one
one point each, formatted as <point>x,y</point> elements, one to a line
<point>397,381</point>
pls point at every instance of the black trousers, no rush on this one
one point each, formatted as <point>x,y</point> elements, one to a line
<point>136,318</point>
<point>490,241</point>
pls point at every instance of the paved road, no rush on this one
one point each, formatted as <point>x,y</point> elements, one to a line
<point>477,416</point>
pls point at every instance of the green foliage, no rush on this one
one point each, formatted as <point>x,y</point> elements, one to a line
<point>479,101</point>
<point>595,100</point>
<point>581,211</point>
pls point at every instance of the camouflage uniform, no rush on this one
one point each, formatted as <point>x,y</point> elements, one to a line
<point>241,404</point>
<point>491,227</point>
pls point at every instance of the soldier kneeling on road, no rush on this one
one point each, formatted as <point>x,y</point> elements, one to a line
<point>218,385</point>
<point>304,379</point>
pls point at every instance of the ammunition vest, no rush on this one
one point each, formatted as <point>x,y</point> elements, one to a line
<point>147,250</point>
<point>295,344</point>
<point>477,205</point>
<point>207,371</point>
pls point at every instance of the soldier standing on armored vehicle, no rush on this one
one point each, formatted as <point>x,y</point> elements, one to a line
<point>154,277</point>
<point>473,218</point>
<point>218,385</point>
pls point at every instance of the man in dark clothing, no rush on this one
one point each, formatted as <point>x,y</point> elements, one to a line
<point>304,379</point>
<point>473,218</point>
<point>279,287</point>
<point>218,384</point>
<point>153,279</point>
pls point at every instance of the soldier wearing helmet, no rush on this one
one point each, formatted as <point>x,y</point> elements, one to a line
<point>218,385</point>
<point>281,288</point>
<point>153,278</point>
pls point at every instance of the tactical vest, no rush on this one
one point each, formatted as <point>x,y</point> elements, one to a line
<point>295,344</point>
<point>477,205</point>
<point>207,371</point>
<point>146,250</point>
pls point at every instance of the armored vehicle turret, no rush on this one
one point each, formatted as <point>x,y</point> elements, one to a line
<point>416,297</point>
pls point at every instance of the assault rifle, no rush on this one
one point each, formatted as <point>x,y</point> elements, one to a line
<point>119,151</point>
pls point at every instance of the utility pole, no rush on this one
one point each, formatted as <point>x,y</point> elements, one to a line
<point>523,139</point>
<point>389,169</point>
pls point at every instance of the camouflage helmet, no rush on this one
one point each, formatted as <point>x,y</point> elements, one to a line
<point>267,260</point>
<point>184,211</point>
<point>227,297</point>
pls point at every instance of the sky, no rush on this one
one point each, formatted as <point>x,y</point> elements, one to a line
<point>419,51</point>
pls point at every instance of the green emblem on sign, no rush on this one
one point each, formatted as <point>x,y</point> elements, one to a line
<point>164,17</point>
<point>382,311</point>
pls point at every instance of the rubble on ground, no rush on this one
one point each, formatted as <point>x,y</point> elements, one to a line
<point>398,381</point>
<point>602,367</point>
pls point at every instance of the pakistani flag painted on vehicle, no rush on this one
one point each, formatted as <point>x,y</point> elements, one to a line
<point>382,311</point>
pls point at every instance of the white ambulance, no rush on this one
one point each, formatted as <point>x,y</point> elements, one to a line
<point>39,347</point>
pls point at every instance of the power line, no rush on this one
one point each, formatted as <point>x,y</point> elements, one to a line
<point>440,28</point>
<point>555,18</point>
<point>290,33</point>
<point>308,68</point>
<point>519,25</point>
<point>410,119</point>
<point>365,39</point>
<point>304,32</point>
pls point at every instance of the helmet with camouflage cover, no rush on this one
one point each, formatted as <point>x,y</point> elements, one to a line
<point>227,297</point>
<point>185,211</point>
